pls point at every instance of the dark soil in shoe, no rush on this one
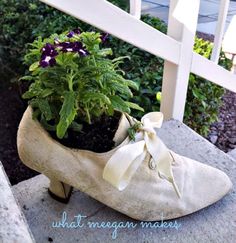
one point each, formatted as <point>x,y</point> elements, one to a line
<point>97,137</point>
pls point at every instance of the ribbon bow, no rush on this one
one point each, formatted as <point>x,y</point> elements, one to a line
<point>125,161</point>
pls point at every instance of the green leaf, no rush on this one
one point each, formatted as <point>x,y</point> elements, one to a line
<point>119,104</point>
<point>133,130</point>
<point>120,58</point>
<point>134,106</point>
<point>34,66</point>
<point>132,84</point>
<point>45,109</point>
<point>105,52</point>
<point>131,133</point>
<point>42,105</point>
<point>89,96</point>
<point>67,113</point>
<point>119,87</point>
<point>46,92</point>
<point>27,78</point>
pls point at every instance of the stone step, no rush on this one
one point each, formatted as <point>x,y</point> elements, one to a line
<point>232,153</point>
<point>13,225</point>
<point>216,223</point>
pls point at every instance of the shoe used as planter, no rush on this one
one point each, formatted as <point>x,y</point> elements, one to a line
<point>141,178</point>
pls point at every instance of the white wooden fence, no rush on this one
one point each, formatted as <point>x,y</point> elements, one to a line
<point>176,47</point>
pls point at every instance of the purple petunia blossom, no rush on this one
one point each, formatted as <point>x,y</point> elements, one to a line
<point>67,46</point>
<point>48,56</point>
<point>64,46</point>
<point>49,50</point>
<point>73,32</point>
<point>73,47</point>
<point>70,34</point>
<point>83,52</point>
<point>104,37</point>
<point>47,61</point>
<point>77,31</point>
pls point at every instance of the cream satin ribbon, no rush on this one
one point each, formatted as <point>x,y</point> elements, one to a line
<point>125,161</point>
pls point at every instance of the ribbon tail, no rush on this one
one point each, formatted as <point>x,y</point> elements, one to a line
<point>165,170</point>
<point>172,181</point>
<point>161,155</point>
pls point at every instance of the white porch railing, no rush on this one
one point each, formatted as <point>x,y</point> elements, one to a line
<point>176,47</point>
<point>135,8</point>
<point>219,32</point>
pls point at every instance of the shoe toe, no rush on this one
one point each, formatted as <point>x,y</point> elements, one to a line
<point>202,185</point>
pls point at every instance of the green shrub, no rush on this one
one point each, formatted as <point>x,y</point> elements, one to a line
<point>203,98</point>
<point>23,20</point>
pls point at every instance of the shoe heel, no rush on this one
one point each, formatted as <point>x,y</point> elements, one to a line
<point>60,191</point>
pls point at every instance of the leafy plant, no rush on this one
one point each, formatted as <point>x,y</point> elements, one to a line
<point>74,81</point>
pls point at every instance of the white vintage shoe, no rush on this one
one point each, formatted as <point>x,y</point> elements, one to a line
<point>142,179</point>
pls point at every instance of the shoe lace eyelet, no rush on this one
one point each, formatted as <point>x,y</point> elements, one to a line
<point>152,165</point>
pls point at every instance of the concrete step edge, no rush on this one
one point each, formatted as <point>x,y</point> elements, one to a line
<point>232,154</point>
<point>13,225</point>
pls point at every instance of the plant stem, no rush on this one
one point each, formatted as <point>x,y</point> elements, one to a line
<point>95,64</point>
<point>94,61</point>
<point>88,115</point>
<point>70,81</point>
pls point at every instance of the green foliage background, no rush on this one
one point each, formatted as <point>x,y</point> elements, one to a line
<point>23,20</point>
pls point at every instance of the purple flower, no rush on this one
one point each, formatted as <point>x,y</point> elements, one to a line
<point>49,50</point>
<point>47,61</point>
<point>77,46</point>
<point>70,34</point>
<point>48,56</point>
<point>73,32</point>
<point>77,31</point>
<point>104,37</point>
<point>73,47</point>
<point>83,52</point>
<point>66,46</point>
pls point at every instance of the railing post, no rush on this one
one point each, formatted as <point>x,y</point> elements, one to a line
<point>219,32</point>
<point>175,77</point>
<point>135,8</point>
